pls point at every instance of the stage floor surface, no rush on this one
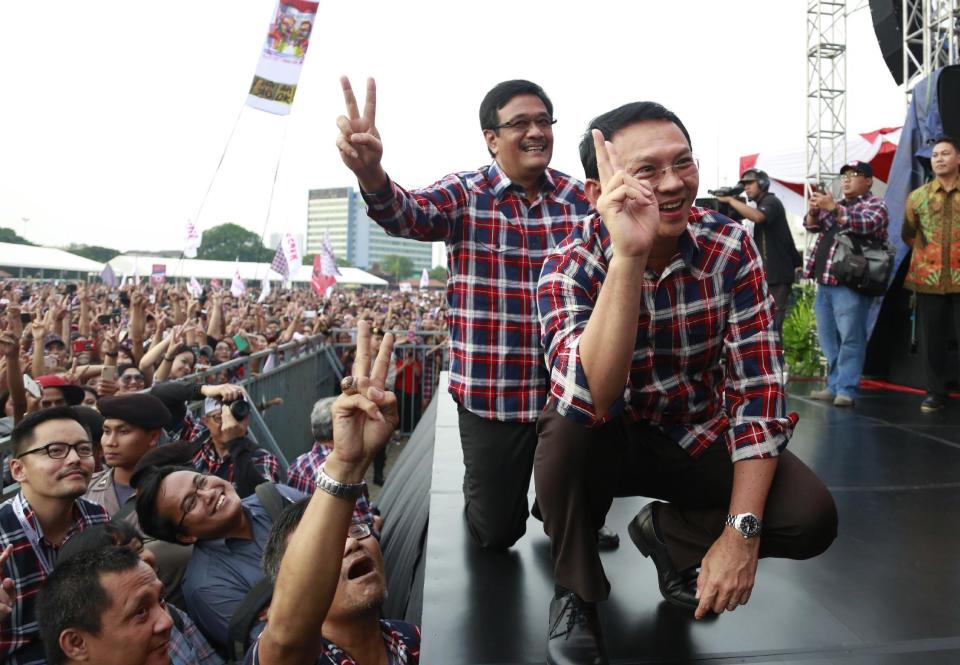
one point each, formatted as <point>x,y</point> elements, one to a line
<point>887,592</point>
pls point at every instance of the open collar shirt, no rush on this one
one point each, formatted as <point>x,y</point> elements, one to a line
<point>496,243</point>
<point>19,633</point>
<point>401,639</point>
<point>707,364</point>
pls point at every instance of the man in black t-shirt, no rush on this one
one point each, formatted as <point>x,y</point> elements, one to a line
<point>772,237</point>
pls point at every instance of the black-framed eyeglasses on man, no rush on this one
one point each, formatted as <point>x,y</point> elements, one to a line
<point>60,450</point>
<point>190,500</point>
<point>543,123</point>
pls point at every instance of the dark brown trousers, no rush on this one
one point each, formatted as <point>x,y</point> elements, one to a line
<point>578,471</point>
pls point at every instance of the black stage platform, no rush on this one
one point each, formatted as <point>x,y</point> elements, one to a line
<point>887,592</point>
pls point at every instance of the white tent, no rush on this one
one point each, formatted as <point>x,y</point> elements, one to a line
<point>14,257</point>
<point>128,264</point>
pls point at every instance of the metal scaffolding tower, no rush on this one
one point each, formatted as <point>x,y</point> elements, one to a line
<point>931,38</point>
<point>826,147</point>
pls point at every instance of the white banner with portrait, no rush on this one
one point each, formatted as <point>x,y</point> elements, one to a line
<point>278,70</point>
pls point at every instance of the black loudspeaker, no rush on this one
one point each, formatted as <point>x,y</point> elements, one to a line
<point>948,93</point>
<point>888,25</point>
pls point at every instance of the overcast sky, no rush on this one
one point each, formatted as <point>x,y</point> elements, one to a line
<point>115,114</point>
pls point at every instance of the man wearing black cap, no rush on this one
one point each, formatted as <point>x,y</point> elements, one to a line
<point>841,311</point>
<point>132,426</point>
<point>771,233</point>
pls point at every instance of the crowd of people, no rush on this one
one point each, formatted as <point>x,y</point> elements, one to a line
<point>606,338</point>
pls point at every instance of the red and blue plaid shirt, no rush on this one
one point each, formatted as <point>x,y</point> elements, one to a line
<point>865,215</point>
<point>707,362</point>
<point>208,461</point>
<point>189,646</point>
<point>303,472</point>
<point>19,634</point>
<point>401,639</point>
<point>496,244</point>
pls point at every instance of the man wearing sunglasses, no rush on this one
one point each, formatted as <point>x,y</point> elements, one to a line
<point>498,222</point>
<point>52,461</point>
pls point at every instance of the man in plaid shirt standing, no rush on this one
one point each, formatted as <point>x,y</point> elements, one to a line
<point>841,311</point>
<point>53,462</point>
<point>499,223</point>
<point>665,382</point>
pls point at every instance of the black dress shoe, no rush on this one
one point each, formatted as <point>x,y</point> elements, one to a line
<point>677,587</point>
<point>574,636</point>
<point>607,539</point>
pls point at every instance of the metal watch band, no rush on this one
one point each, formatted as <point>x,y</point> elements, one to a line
<point>748,524</point>
<point>338,489</point>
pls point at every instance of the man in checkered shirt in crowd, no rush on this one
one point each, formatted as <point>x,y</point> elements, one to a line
<point>52,461</point>
<point>666,381</point>
<point>499,223</point>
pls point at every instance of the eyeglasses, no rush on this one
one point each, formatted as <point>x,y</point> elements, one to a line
<point>131,378</point>
<point>682,167</point>
<point>543,123</point>
<point>58,450</point>
<point>359,530</point>
<point>190,500</point>
<point>850,175</point>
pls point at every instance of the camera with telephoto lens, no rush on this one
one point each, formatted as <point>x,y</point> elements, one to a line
<point>240,409</point>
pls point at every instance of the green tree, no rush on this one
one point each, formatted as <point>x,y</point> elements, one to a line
<point>9,235</point>
<point>439,273</point>
<point>227,242</point>
<point>93,252</point>
<point>398,267</point>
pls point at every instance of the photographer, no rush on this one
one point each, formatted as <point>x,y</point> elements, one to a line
<point>228,453</point>
<point>771,234</point>
<point>841,311</point>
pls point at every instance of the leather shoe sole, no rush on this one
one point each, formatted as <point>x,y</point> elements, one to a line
<point>674,587</point>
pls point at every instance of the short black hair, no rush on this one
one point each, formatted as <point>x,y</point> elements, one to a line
<point>73,597</point>
<point>115,533</point>
<point>123,367</point>
<point>944,138</point>
<point>613,121</point>
<point>280,533</point>
<point>148,491</point>
<point>500,94</point>
<point>22,434</point>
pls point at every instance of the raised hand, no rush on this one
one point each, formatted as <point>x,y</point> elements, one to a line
<point>359,141</point>
<point>364,420</point>
<point>627,205</point>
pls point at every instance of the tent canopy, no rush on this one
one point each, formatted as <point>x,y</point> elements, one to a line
<point>44,258</point>
<point>142,265</point>
<point>787,170</point>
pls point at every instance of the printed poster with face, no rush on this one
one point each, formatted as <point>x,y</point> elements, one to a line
<point>278,70</point>
<point>158,274</point>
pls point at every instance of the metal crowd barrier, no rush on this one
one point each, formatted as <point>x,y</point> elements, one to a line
<point>418,369</point>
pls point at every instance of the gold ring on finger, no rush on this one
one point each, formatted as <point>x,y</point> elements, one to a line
<point>348,385</point>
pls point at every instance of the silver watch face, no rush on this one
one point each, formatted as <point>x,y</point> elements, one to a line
<point>749,525</point>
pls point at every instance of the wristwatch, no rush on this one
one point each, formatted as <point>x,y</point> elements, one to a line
<point>338,489</point>
<point>747,524</point>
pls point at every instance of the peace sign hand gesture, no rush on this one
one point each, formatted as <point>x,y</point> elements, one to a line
<point>365,415</point>
<point>627,205</point>
<point>359,141</point>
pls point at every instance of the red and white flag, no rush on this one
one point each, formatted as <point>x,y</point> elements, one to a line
<point>424,279</point>
<point>194,287</point>
<point>324,267</point>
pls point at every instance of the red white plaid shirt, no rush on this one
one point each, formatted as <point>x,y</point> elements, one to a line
<point>496,244</point>
<point>709,304</point>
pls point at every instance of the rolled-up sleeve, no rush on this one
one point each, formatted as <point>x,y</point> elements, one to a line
<point>754,398</point>
<point>566,294</point>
